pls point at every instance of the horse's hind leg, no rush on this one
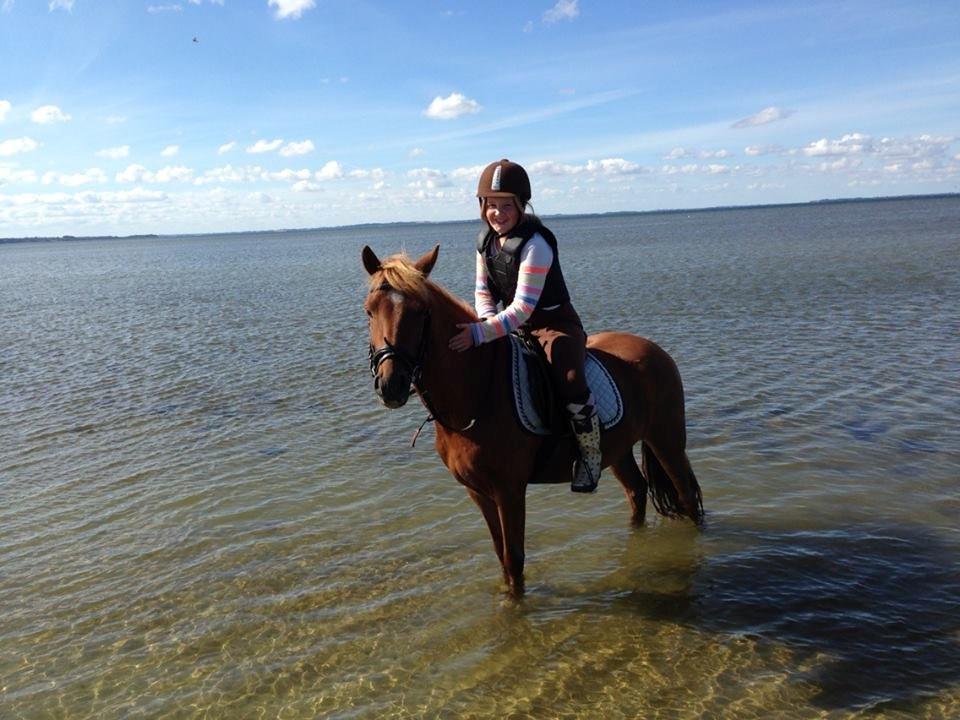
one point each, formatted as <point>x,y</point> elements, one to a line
<point>634,486</point>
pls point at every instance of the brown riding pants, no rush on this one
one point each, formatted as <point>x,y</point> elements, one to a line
<point>564,342</point>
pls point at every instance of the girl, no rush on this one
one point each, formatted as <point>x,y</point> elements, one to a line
<point>518,270</point>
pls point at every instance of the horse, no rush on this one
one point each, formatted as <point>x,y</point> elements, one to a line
<point>469,395</point>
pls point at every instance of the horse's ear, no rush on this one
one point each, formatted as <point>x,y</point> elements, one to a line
<point>426,263</point>
<point>370,260</point>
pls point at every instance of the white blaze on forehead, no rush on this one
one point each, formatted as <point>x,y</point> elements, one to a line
<point>395,297</point>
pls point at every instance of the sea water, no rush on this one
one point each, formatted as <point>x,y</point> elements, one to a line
<point>204,511</point>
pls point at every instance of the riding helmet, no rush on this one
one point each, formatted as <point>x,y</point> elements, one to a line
<point>503,179</point>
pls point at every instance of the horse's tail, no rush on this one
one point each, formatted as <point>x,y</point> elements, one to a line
<point>664,493</point>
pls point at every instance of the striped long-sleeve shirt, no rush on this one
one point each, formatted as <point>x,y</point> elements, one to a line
<point>535,261</point>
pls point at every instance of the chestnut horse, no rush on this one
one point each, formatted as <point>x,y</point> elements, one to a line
<point>477,436</point>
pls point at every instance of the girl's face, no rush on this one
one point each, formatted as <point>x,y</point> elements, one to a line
<point>501,214</point>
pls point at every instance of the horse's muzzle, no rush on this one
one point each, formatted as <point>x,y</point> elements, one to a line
<point>394,390</point>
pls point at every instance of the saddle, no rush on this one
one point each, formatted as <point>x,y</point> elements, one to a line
<point>538,409</point>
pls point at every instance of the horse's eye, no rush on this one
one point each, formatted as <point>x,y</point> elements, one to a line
<point>369,314</point>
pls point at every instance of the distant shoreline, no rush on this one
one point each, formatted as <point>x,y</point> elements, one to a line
<point>617,213</point>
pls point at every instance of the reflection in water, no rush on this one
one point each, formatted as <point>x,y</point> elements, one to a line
<point>861,617</point>
<point>878,606</point>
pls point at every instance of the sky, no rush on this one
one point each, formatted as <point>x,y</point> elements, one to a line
<point>121,117</point>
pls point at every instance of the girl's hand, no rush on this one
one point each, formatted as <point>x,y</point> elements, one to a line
<point>463,340</point>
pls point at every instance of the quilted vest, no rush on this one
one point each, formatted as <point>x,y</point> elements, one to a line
<point>503,264</point>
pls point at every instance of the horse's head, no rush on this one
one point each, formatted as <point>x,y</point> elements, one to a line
<point>398,310</point>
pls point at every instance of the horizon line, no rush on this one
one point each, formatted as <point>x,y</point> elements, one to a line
<point>391,223</point>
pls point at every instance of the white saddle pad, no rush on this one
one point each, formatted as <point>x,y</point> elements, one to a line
<point>606,394</point>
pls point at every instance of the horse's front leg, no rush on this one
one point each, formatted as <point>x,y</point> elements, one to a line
<point>492,516</point>
<point>512,510</point>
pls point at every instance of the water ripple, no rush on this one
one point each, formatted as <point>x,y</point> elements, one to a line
<point>206,512</point>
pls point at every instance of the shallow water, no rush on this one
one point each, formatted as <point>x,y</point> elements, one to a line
<point>207,514</point>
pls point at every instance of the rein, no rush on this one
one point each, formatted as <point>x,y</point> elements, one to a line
<point>414,366</point>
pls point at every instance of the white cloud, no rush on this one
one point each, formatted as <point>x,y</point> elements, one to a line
<point>414,152</point>
<point>851,144</point>
<point>4,109</point>
<point>563,10</point>
<point>697,169</point>
<point>688,169</point>
<point>922,146</point>
<point>840,164</point>
<point>679,153</point>
<point>425,173</point>
<point>19,145</point>
<point>226,147</point>
<point>612,166</point>
<point>428,179</point>
<point>9,175</point>
<point>331,171</point>
<point>292,149</point>
<point>548,167</point>
<point>230,174</point>
<point>157,9</point>
<point>140,174</point>
<point>288,175</point>
<point>115,153</point>
<point>170,151</point>
<point>377,174</point>
<point>764,117</point>
<point>260,198</point>
<point>451,107</point>
<point>116,119</point>
<point>595,168</point>
<point>291,8</point>
<point>468,173</point>
<point>264,146</point>
<point>62,5</point>
<point>133,174</point>
<point>715,169</point>
<point>307,186</point>
<point>173,174</point>
<point>46,114</point>
<point>921,153</point>
<point>756,150</point>
<point>85,198</point>
<point>93,175</point>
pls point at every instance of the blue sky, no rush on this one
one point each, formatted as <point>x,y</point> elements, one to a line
<point>307,113</point>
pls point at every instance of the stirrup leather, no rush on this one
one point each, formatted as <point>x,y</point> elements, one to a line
<point>587,472</point>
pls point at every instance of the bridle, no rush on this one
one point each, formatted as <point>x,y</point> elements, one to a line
<point>413,365</point>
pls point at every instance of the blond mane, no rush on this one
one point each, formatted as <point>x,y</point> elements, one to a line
<point>399,272</point>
